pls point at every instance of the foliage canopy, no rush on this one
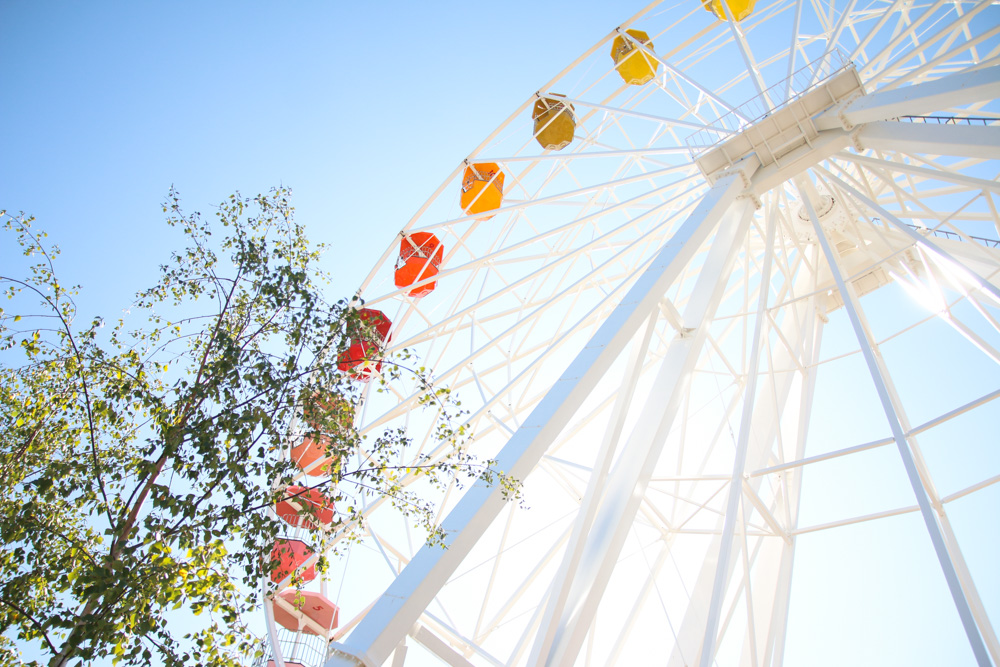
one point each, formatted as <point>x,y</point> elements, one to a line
<point>138,463</point>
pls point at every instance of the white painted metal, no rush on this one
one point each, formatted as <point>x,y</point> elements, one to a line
<point>423,577</point>
<point>736,481</point>
<point>672,491</point>
<point>590,501</point>
<point>630,477</point>
<point>957,140</point>
<point>919,99</point>
<point>447,654</point>
<point>776,399</point>
<point>879,373</point>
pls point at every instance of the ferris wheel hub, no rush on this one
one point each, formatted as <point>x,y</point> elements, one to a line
<point>830,213</point>
<point>779,137</point>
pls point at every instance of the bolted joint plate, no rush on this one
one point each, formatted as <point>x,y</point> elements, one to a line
<point>745,169</point>
<point>338,657</point>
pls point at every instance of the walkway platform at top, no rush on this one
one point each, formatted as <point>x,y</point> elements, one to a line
<point>774,132</point>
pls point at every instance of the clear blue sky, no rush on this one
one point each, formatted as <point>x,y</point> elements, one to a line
<point>363,110</point>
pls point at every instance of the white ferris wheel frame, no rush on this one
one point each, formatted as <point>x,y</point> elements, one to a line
<point>861,131</point>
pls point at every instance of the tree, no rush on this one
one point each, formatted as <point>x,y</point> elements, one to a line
<point>137,463</point>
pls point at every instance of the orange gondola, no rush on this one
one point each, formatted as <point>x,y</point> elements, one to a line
<point>420,255</point>
<point>307,605</point>
<point>368,336</point>
<point>332,416</point>
<point>311,455</point>
<point>306,507</point>
<point>482,189</point>
<point>290,554</point>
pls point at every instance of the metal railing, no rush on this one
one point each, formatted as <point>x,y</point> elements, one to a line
<point>297,648</point>
<point>946,234</point>
<point>949,120</point>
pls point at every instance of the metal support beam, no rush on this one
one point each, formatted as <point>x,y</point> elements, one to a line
<point>920,99</point>
<point>955,140</point>
<point>735,482</point>
<point>439,647</point>
<point>635,465</point>
<point>406,598</point>
<point>591,501</point>
<point>399,656</point>
<point>876,371</point>
<point>785,396</point>
<point>982,283</point>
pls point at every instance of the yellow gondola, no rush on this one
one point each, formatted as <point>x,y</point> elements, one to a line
<point>634,65</point>
<point>740,9</point>
<point>555,123</point>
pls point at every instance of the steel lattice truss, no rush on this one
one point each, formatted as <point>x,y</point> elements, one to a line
<point>754,303</point>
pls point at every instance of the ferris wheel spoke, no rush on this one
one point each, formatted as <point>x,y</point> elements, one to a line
<point>795,49</point>
<point>850,521</point>
<point>631,472</point>
<point>952,30</point>
<point>669,170</point>
<point>931,171</point>
<point>800,463</point>
<point>833,37</point>
<point>971,489</point>
<point>904,31</point>
<point>696,617</point>
<point>646,237</point>
<point>736,490</point>
<point>460,321</point>
<point>939,217</point>
<point>957,140</point>
<point>531,576</point>
<point>969,334</point>
<point>681,76</point>
<point>920,72</point>
<point>883,19</point>
<point>951,91</point>
<point>560,590</point>
<point>645,590</point>
<point>453,376</point>
<point>962,21</point>
<point>558,169</point>
<point>951,566</point>
<point>440,648</point>
<point>980,282</point>
<point>642,153</point>
<point>753,70</point>
<point>619,111</point>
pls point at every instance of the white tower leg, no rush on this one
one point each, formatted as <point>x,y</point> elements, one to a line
<point>398,609</point>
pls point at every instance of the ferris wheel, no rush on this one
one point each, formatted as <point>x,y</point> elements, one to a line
<point>724,295</point>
